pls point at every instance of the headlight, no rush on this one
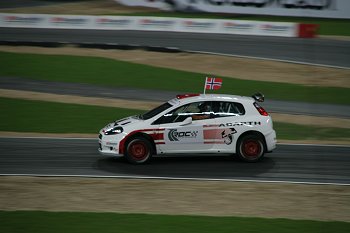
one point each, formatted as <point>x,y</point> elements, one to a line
<point>114,130</point>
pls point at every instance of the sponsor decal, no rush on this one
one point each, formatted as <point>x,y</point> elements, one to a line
<point>115,22</point>
<point>156,23</point>
<point>174,135</point>
<point>227,135</point>
<point>194,24</point>
<point>308,4</point>
<point>22,19</point>
<point>255,3</point>
<point>111,143</point>
<point>250,123</point>
<point>238,26</point>
<point>188,135</point>
<point>274,28</point>
<point>64,20</point>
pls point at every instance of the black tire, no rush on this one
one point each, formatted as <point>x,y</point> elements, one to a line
<point>138,151</point>
<point>250,148</point>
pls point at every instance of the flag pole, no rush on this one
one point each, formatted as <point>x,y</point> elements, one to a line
<point>205,85</point>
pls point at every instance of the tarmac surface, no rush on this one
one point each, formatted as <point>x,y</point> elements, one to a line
<point>79,157</point>
<point>79,89</point>
<point>326,52</point>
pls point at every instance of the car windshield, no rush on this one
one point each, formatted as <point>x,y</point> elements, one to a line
<point>155,111</point>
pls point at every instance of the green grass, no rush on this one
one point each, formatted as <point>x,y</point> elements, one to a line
<point>338,27</point>
<point>39,116</point>
<point>108,72</point>
<point>37,222</point>
<point>302,132</point>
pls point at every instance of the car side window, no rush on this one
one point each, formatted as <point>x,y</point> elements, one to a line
<point>197,110</point>
<point>226,109</point>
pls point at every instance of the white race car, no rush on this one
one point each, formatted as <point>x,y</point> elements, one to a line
<point>193,124</point>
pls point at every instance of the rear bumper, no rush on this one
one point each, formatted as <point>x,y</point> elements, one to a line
<point>271,141</point>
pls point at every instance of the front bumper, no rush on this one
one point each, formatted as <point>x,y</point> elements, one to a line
<point>108,146</point>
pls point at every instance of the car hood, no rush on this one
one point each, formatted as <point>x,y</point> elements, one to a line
<point>127,121</point>
<point>124,123</point>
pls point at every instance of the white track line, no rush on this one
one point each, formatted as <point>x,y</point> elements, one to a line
<point>182,178</point>
<point>310,144</point>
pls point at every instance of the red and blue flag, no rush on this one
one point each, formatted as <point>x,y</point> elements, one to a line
<point>213,83</point>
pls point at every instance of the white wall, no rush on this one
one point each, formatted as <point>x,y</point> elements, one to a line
<point>242,27</point>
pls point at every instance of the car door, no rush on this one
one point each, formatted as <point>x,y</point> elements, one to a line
<point>182,129</point>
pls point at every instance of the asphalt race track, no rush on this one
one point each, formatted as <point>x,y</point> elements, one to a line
<point>72,157</point>
<point>317,51</point>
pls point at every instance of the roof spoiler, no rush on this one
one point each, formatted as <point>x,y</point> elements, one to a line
<point>259,97</point>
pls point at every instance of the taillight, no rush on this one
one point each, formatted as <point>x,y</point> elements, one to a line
<point>260,109</point>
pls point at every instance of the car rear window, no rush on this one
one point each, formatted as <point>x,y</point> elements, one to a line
<point>223,109</point>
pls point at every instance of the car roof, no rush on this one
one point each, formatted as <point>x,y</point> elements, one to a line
<point>189,98</point>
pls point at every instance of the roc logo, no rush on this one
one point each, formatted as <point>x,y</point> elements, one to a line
<point>173,135</point>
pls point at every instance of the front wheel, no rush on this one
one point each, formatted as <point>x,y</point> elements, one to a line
<point>250,148</point>
<point>138,151</point>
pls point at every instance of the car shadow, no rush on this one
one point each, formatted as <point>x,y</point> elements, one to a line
<point>188,166</point>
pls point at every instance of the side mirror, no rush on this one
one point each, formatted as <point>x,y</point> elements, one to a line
<point>187,121</point>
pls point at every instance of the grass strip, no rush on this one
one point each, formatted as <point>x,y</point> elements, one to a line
<point>327,26</point>
<point>112,73</point>
<point>39,116</point>
<point>37,221</point>
<point>302,132</point>
<point>48,117</point>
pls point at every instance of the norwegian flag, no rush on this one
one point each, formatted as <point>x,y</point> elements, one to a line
<point>213,83</point>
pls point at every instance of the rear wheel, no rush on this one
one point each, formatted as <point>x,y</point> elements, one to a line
<point>250,148</point>
<point>138,150</point>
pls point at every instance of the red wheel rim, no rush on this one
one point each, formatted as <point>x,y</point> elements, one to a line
<point>251,148</point>
<point>138,151</point>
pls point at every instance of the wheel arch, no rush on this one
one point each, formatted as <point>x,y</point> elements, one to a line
<point>124,143</point>
<point>252,132</point>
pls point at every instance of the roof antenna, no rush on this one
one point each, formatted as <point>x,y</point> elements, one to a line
<point>205,85</point>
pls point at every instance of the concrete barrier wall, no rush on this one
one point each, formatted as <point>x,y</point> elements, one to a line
<point>218,26</point>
